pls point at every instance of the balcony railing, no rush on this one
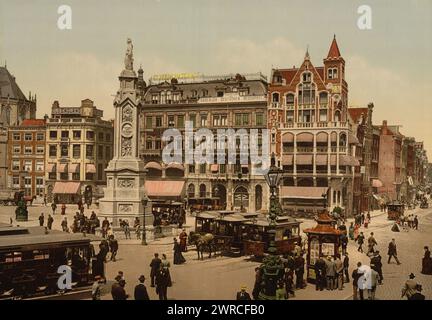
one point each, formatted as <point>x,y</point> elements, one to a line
<point>319,124</point>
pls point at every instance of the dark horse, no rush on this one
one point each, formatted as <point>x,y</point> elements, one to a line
<point>203,243</point>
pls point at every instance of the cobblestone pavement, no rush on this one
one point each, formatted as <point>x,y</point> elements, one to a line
<point>221,277</point>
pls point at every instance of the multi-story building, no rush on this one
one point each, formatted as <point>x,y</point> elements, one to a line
<point>376,200</point>
<point>79,145</point>
<point>15,107</point>
<point>389,166</point>
<point>26,154</point>
<point>3,157</point>
<point>219,102</point>
<point>311,134</point>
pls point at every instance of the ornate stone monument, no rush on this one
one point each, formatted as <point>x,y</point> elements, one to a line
<point>125,190</point>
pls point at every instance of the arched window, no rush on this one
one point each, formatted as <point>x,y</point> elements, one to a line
<point>337,116</point>
<point>202,190</point>
<point>342,140</point>
<point>290,99</point>
<point>191,190</point>
<point>306,93</point>
<point>241,197</point>
<point>275,97</point>
<point>323,98</point>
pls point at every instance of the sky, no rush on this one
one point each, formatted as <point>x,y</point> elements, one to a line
<point>389,65</point>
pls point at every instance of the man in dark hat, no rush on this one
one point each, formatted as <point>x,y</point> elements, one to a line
<point>41,219</point>
<point>376,265</point>
<point>155,266</point>
<point>117,290</point>
<point>392,251</point>
<point>418,295</point>
<point>410,287</point>
<point>140,292</point>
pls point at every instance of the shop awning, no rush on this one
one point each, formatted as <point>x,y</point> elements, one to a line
<point>153,165</point>
<point>321,160</point>
<point>90,168</point>
<point>62,167</point>
<point>304,137</point>
<point>214,168</point>
<point>66,187</point>
<point>287,160</point>
<point>164,188</point>
<point>288,137</point>
<point>304,159</point>
<point>289,192</point>
<point>51,167</point>
<point>74,168</point>
<point>175,165</point>
<point>345,160</point>
<point>376,183</point>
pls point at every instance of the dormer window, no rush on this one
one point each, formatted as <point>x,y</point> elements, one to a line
<point>307,77</point>
<point>194,93</point>
<point>220,93</point>
<point>205,93</point>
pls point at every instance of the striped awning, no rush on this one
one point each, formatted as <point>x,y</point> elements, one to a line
<point>164,188</point>
<point>288,192</point>
<point>74,168</point>
<point>175,165</point>
<point>352,139</point>
<point>376,183</point>
<point>90,168</point>
<point>288,137</point>
<point>153,165</point>
<point>66,187</point>
<point>214,168</point>
<point>322,137</point>
<point>62,168</point>
<point>345,160</point>
<point>51,167</point>
<point>304,137</point>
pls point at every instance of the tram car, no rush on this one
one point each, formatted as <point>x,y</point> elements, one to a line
<point>30,258</point>
<point>395,210</point>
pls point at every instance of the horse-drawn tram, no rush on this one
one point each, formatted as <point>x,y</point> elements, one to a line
<point>30,258</point>
<point>286,238</point>
<point>247,233</point>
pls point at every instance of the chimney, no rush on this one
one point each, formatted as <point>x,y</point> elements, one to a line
<point>384,123</point>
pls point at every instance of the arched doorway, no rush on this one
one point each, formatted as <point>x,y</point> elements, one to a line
<point>241,198</point>
<point>219,191</point>
<point>191,191</point>
<point>258,197</point>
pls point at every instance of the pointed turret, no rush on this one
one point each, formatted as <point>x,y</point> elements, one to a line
<point>334,51</point>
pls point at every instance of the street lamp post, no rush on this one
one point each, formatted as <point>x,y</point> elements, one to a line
<point>144,202</point>
<point>272,268</point>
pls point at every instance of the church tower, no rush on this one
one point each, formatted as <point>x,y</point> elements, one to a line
<point>125,173</point>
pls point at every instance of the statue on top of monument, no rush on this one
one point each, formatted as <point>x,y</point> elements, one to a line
<point>129,55</point>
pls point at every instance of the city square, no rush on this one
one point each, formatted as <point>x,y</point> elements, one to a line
<point>290,183</point>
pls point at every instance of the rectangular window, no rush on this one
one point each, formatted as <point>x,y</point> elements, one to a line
<point>224,120</point>
<point>290,116</point>
<point>149,144</point>
<point>76,151</point>
<point>28,137</point>
<point>28,166</point>
<point>64,150</point>
<point>16,149</point>
<point>28,150</point>
<point>158,121</point>
<point>89,151</point>
<point>203,168</point>
<point>171,122</point>
<point>191,168</point>
<point>245,119</point>
<point>53,134</point>
<point>203,118</point>
<point>65,134</point>
<point>108,137</point>
<point>259,119</point>
<point>40,165</point>
<point>216,120</point>
<point>180,121</point>
<point>158,145</point>
<point>238,119</point>
<point>100,152</point>
<point>155,99</point>
<point>15,165</point>
<point>15,182</point>
<point>323,116</point>
<point>149,122</point>
<point>89,176</point>
<point>108,153</point>
<point>16,136</point>
<point>90,135</point>
<point>40,149</point>
<point>77,134</point>
<point>40,137</point>
<point>64,176</point>
<point>100,136</point>
<point>53,151</point>
<point>76,176</point>
<point>192,118</point>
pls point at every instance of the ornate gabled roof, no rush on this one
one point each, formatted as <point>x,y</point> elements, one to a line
<point>9,87</point>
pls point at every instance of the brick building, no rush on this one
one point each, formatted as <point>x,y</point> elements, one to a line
<point>26,154</point>
<point>311,134</point>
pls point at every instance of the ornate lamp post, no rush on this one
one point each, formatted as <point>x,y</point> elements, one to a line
<point>144,202</point>
<point>272,268</point>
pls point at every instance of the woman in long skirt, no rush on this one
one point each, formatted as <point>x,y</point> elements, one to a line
<point>178,257</point>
